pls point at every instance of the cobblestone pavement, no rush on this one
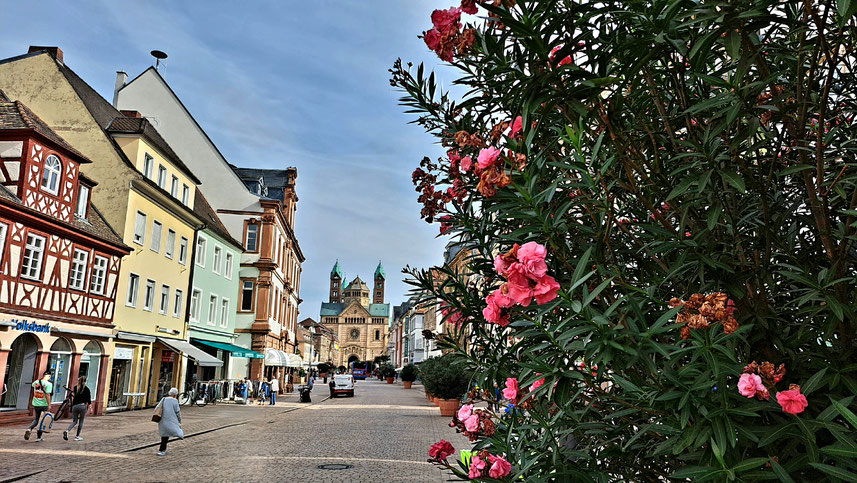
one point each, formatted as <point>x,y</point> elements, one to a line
<point>383,434</point>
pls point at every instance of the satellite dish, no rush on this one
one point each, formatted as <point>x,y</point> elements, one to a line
<point>159,55</point>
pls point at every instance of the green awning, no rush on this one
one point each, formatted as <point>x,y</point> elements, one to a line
<point>235,350</point>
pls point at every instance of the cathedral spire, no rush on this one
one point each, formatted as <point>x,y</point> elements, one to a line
<point>380,278</point>
<point>379,272</point>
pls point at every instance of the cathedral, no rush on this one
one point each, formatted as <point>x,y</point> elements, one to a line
<point>360,325</point>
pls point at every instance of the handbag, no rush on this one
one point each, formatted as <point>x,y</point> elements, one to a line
<point>159,411</point>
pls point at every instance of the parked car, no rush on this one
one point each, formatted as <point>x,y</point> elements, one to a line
<point>342,384</point>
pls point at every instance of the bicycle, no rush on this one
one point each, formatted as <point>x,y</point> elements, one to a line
<point>193,395</point>
<point>49,417</point>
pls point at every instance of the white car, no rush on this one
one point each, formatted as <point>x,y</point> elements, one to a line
<point>342,384</point>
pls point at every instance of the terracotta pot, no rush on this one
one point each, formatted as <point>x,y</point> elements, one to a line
<point>389,380</point>
<point>407,384</point>
<point>448,407</point>
<point>427,396</point>
<point>436,401</point>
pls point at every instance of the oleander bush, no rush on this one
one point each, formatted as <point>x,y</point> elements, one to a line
<point>659,204</point>
<point>409,373</point>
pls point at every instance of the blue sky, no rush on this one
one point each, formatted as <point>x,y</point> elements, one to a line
<point>279,84</point>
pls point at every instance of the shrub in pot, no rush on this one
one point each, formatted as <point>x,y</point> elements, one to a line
<point>427,370</point>
<point>452,381</point>
<point>388,372</point>
<point>409,375</point>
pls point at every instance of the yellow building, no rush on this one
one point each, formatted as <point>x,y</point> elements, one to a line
<point>147,194</point>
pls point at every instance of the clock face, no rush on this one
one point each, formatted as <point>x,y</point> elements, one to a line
<point>355,333</point>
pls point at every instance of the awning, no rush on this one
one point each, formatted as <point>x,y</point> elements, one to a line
<point>236,351</point>
<point>201,358</point>
<point>294,360</point>
<point>274,357</point>
<point>135,337</point>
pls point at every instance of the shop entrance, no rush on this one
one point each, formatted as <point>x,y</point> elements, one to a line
<point>165,375</point>
<point>19,373</point>
<point>120,377</point>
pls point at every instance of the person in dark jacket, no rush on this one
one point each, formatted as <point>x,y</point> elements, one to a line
<point>81,399</point>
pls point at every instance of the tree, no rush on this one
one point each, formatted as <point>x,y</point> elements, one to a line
<point>662,199</point>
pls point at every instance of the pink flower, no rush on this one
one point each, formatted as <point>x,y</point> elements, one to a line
<point>469,6</point>
<point>477,465</point>
<point>441,450</point>
<point>517,126</point>
<point>453,155</point>
<point>519,289</point>
<point>545,290</point>
<point>466,163</point>
<point>565,61</point>
<point>750,384</point>
<point>532,257</point>
<point>443,20</point>
<point>511,390</point>
<point>488,157</point>
<point>472,423</point>
<point>499,467</point>
<point>432,39</point>
<point>792,401</point>
<point>494,312</point>
<point>465,411</point>
<point>537,384</point>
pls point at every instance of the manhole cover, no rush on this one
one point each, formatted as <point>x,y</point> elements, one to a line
<point>335,467</point>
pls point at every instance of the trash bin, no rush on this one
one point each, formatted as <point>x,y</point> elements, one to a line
<point>305,392</point>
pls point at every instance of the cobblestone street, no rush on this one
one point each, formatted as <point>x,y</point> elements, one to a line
<point>383,433</point>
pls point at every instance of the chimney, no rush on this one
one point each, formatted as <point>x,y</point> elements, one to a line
<point>134,114</point>
<point>121,79</point>
<point>54,52</point>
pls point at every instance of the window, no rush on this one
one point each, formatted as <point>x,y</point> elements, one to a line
<point>252,241</point>
<point>77,278</point>
<point>334,294</point>
<point>99,274</point>
<point>185,194</point>
<point>32,266</point>
<point>227,271</point>
<point>218,258</point>
<point>162,176</point>
<point>200,251</point>
<point>157,228</point>
<point>174,187</point>
<point>212,309</point>
<point>194,304</point>
<point>51,174</point>
<point>133,289</point>
<point>148,166</point>
<point>224,312</point>
<point>82,202</point>
<point>165,300</point>
<point>140,228</point>
<point>4,228</point>
<point>170,247</point>
<point>247,296</point>
<point>377,335</point>
<point>178,303</point>
<point>183,251</point>
<point>149,297</point>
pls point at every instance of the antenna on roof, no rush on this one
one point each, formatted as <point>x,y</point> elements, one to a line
<point>159,55</point>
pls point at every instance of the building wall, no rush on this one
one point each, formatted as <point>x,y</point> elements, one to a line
<point>136,149</point>
<point>212,281</point>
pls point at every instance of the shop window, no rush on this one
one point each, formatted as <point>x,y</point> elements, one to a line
<point>60,363</point>
<point>90,363</point>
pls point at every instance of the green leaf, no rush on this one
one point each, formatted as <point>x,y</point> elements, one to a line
<point>781,472</point>
<point>693,471</point>
<point>735,180</point>
<point>813,382</point>
<point>840,451</point>
<point>835,472</point>
<point>750,464</point>
<point>775,435</point>
<point>845,412</point>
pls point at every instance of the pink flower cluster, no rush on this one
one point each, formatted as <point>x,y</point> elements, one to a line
<point>525,270</point>
<point>484,465</point>
<point>756,380</point>
<point>473,422</point>
<point>446,37</point>
<point>750,385</point>
<point>441,450</point>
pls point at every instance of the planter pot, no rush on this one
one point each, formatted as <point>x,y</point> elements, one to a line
<point>427,396</point>
<point>448,407</point>
<point>407,384</point>
<point>389,380</point>
<point>435,401</point>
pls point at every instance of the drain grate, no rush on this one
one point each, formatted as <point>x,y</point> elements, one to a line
<point>335,467</point>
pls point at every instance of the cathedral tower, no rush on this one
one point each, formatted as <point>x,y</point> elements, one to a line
<point>336,280</point>
<point>380,278</point>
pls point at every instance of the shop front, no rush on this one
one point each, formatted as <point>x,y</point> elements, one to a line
<point>129,373</point>
<point>171,358</point>
<point>29,347</point>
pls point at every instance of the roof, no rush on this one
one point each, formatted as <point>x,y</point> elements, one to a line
<point>379,272</point>
<point>274,181</point>
<point>16,115</point>
<point>331,309</point>
<point>212,222</point>
<point>94,225</point>
<point>140,125</point>
<point>337,270</point>
<point>357,284</point>
<point>379,310</point>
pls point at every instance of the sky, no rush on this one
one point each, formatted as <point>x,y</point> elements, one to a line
<point>277,84</point>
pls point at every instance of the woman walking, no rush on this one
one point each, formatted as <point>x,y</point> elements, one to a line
<point>80,401</point>
<point>170,424</point>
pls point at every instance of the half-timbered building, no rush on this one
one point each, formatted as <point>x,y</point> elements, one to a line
<point>59,265</point>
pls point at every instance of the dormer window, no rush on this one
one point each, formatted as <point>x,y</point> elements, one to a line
<point>51,174</point>
<point>82,202</point>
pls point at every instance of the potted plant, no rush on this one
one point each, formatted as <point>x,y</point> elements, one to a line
<point>388,372</point>
<point>409,375</point>
<point>323,368</point>
<point>451,383</point>
<point>427,370</point>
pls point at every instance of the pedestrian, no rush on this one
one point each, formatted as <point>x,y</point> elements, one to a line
<point>170,424</point>
<point>262,395</point>
<point>42,390</point>
<point>81,399</point>
<point>311,382</point>
<point>496,404</point>
<point>275,388</point>
<point>247,390</point>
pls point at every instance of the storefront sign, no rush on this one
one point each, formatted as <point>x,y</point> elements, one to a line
<point>123,353</point>
<point>25,326</point>
<point>167,356</point>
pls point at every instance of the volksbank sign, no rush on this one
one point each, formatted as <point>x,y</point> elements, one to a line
<point>31,326</point>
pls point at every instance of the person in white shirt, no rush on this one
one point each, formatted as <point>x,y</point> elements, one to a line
<point>275,388</point>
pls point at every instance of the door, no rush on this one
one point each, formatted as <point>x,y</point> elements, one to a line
<point>21,367</point>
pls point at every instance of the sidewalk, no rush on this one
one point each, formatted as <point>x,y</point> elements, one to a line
<point>126,431</point>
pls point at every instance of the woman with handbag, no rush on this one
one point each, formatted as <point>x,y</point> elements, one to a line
<point>169,418</point>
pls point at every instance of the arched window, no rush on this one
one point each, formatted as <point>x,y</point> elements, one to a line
<point>51,174</point>
<point>60,364</point>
